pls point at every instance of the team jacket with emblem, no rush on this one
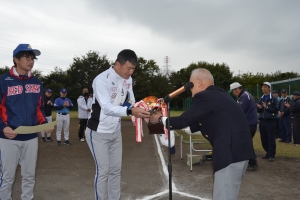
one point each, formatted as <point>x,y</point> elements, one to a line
<point>21,103</point>
<point>270,112</point>
<point>110,93</point>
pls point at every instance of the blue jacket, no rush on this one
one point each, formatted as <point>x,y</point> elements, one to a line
<point>271,111</point>
<point>59,105</point>
<point>21,103</point>
<point>282,108</point>
<point>248,105</point>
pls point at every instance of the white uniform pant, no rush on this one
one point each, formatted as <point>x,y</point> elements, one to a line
<point>49,119</point>
<point>106,149</point>
<point>12,153</point>
<point>228,181</point>
<point>63,124</point>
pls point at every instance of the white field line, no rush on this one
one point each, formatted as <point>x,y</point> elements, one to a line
<point>165,170</point>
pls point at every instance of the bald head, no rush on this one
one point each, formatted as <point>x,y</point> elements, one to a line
<point>201,78</point>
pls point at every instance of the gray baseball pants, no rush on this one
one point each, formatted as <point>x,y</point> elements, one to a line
<point>106,149</point>
<point>228,181</point>
<point>49,119</point>
<point>12,153</point>
<point>64,123</point>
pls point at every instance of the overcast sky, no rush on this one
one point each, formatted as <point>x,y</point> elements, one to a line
<point>249,36</point>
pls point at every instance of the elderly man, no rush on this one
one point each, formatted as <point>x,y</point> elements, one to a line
<point>268,110</point>
<point>224,124</point>
<point>247,103</point>
<point>84,102</point>
<point>295,115</point>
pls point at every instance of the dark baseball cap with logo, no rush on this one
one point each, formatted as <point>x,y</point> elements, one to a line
<point>26,47</point>
<point>49,90</point>
<point>283,91</point>
<point>63,90</point>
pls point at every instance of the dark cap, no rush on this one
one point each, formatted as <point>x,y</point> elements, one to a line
<point>275,91</point>
<point>283,90</point>
<point>63,90</point>
<point>296,93</point>
<point>49,90</point>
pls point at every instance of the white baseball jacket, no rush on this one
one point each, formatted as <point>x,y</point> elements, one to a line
<point>109,94</point>
<point>83,107</point>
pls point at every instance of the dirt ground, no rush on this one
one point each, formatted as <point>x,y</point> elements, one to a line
<point>67,172</point>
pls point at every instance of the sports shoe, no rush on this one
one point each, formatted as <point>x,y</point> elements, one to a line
<point>67,142</point>
<point>58,143</point>
<point>49,139</point>
<point>82,140</point>
<point>43,139</point>
<point>265,157</point>
<point>252,167</point>
<point>297,145</point>
<point>271,159</point>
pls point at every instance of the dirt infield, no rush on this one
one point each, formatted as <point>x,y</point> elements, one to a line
<point>67,172</point>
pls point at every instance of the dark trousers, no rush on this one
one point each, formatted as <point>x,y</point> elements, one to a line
<point>278,128</point>
<point>267,136</point>
<point>253,161</point>
<point>286,130</point>
<point>296,130</point>
<point>82,127</point>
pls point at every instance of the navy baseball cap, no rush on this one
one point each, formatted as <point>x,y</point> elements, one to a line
<point>283,90</point>
<point>26,47</point>
<point>275,91</point>
<point>63,90</point>
<point>296,93</point>
<point>49,90</point>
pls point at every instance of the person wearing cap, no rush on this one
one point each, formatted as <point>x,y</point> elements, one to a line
<point>223,123</point>
<point>21,104</point>
<point>112,98</point>
<point>248,105</point>
<point>278,123</point>
<point>267,109</point>
<point>84,102</point>
<point>285,117</point>
<point>48,105</point>
<point>295,115</point>
<point>63,105</point>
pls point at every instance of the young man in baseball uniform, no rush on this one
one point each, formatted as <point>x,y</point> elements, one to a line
<point>103,134</point>
<point>63,105</point>
<point>21,104</point>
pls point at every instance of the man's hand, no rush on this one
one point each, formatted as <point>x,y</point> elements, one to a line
<point>287,104</point>
<point>258,106</point>
<point>66,104</point>
<point>280,114</point>
<point>49,130</point>
<point>89,110</point>
<point>264,104</point>
<point>9,133</point>
<point>154,117</point>
<point>140,113</point>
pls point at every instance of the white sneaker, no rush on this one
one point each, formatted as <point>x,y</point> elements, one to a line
<point>82,140</point>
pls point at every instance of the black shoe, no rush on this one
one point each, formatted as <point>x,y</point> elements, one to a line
<point>250,168</point>
<point>281,140</point>
<point>58,143</point>
<point>265,157</point>
<point>271,159</point>
<point>43,139</point>
<point>67,142</point>
<point>49,139</point>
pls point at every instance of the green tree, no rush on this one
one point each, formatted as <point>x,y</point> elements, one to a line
<point>3,70</point>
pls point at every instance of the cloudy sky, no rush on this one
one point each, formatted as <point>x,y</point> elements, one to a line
<point>249,36</point>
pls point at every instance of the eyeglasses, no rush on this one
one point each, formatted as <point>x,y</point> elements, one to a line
<point>29,58</point>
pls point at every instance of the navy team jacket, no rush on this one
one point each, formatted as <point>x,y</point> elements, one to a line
<point>21,103</point>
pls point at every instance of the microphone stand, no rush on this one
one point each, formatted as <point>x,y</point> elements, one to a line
<point>167,100</point>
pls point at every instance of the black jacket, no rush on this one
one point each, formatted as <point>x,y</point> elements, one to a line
<point>295,109</point>
<point>282,108</point>
<point>222,122</point>
<point>271,111</point>
<point>48,107</point>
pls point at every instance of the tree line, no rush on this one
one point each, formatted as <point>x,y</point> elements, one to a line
<point>148,78</point>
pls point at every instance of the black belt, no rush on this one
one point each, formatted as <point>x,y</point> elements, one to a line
<point>63,113</point>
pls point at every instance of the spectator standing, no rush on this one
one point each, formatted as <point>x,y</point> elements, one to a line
<point>267,109</point>
<point>295,115</point>
<point>84,102</point>
<point>278,123</point>
<point>247,103</point>
<point>21,104</point>
<point>48,105</point>
<point>224,124</point>
<point>285,118</point>
<point>63,105</point>
<point>111,100</point>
